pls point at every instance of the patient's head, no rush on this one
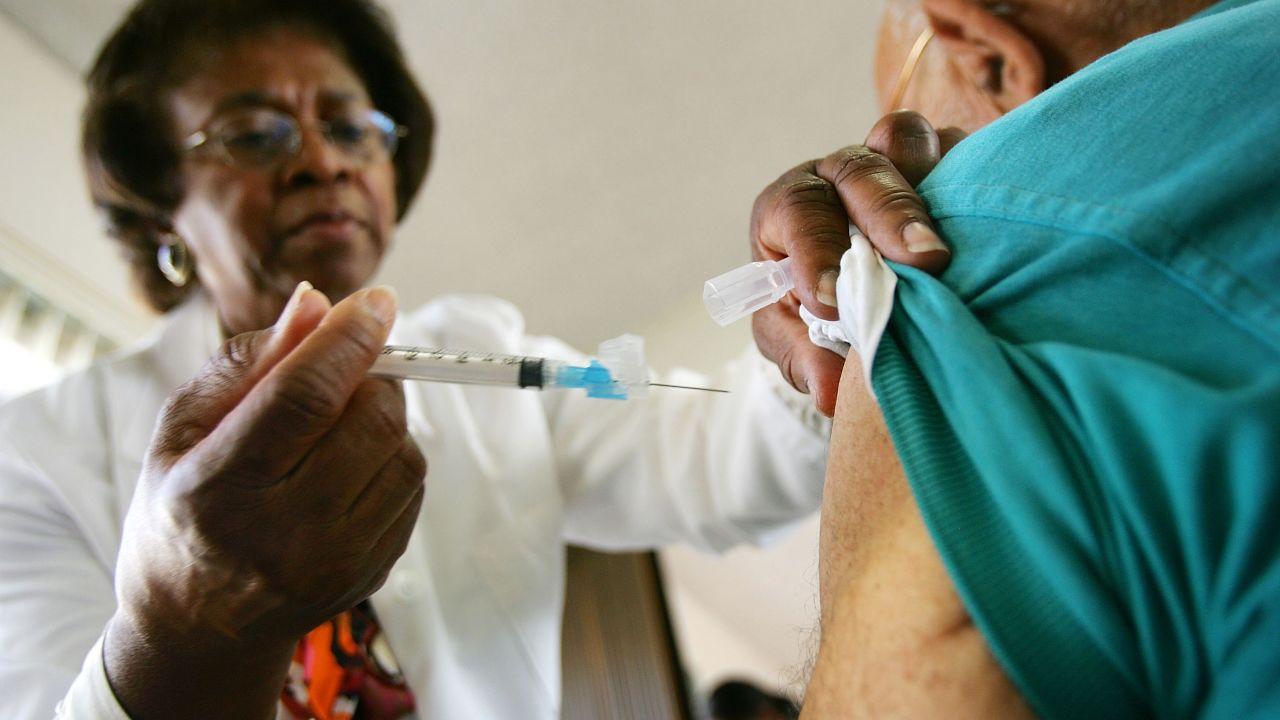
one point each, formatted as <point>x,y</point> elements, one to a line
<point>987,57</point>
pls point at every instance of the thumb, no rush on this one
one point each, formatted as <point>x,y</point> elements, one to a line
<point>195,409</point>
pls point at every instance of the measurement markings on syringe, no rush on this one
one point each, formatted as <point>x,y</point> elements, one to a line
<point>455,366</point>
<point>409,354</point>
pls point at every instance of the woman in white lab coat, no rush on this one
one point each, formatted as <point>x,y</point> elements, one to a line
<point>170,528</point>
<point>235,161</point>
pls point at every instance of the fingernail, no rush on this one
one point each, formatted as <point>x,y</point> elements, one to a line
<point>921,238</point>
<point>826,292</point>
<point>295,301</point>
<point>381,302</point>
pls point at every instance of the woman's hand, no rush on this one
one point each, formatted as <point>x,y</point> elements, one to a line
<point>805,214</point>
<point>280,486</point>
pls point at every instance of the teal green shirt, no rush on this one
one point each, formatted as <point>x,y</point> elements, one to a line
<point>1087,403</point>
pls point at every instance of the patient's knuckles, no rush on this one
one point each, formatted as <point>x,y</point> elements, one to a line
<point>853,164</point>
<point>790,202</point>
<point>800,174</point>
<point>812,215</point>
<point>892,202</point>
<point>810,192</point>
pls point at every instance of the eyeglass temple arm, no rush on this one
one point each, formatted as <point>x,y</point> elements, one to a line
<point>909,68</point>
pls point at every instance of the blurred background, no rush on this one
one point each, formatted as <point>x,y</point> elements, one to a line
<point>595,163</point>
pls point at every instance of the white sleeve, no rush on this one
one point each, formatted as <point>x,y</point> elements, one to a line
<point>56,597</point>
<point>57,549</point>
<point>59,530</point>
<point>709,469</point>
<point>90,696</point>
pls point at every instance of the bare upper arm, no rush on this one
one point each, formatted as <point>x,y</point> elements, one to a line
<point>896,641</point>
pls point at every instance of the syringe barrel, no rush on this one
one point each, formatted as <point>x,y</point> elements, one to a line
<point>482,368</point>
<point>458,367</point>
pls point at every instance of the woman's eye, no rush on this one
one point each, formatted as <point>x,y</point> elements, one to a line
<point>347,132</point>
<point>258,133</point>
<point>252,140</point>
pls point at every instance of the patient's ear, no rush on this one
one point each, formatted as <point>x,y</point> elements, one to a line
<point>995,55</point>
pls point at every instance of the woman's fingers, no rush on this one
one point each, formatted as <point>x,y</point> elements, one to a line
<point>338,468</point>
<point>306,393</point>
<point>194,410</point>
<point>373,512</point>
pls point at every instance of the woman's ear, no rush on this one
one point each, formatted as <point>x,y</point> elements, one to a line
<point>996,56</point>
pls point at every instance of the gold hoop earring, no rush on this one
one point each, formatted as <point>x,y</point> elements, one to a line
<point>174,260</point>
<point>909,68</point>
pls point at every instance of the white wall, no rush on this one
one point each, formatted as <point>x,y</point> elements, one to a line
<point>750,613</point>
<point>50,238</point>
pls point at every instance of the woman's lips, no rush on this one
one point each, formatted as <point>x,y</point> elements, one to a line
<point>334,224</point>
<point>330,226</point>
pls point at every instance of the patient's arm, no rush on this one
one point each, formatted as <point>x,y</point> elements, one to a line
<point>896,640</point>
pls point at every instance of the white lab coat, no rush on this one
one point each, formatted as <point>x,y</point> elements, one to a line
<point>473,608</point>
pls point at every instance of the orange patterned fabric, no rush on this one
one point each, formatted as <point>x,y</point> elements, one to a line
<point>342,670</point>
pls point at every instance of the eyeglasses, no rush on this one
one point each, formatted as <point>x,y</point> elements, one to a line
<point>263,137</point>
<point>909,69</point>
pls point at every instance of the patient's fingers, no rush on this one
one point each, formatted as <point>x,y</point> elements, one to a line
<point>948,137</point>
<point>783,338</point>
<point>884,206</point>
<point>907,139</point>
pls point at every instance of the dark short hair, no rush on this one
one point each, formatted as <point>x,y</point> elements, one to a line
<point>130,154</point>
<point>744,700</point>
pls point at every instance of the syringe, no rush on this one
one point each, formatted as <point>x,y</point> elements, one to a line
<point>620,372</point>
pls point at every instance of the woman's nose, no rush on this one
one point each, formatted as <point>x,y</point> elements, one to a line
<point>318,160</point>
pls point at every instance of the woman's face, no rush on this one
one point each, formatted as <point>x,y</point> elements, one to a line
<point>256,230</point>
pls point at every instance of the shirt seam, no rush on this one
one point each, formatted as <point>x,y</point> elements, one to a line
<point>1168,266</point>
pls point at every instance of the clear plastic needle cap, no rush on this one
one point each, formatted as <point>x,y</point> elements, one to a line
<point>746,289</point>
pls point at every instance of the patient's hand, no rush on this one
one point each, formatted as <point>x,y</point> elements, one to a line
<point>806,213</point>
